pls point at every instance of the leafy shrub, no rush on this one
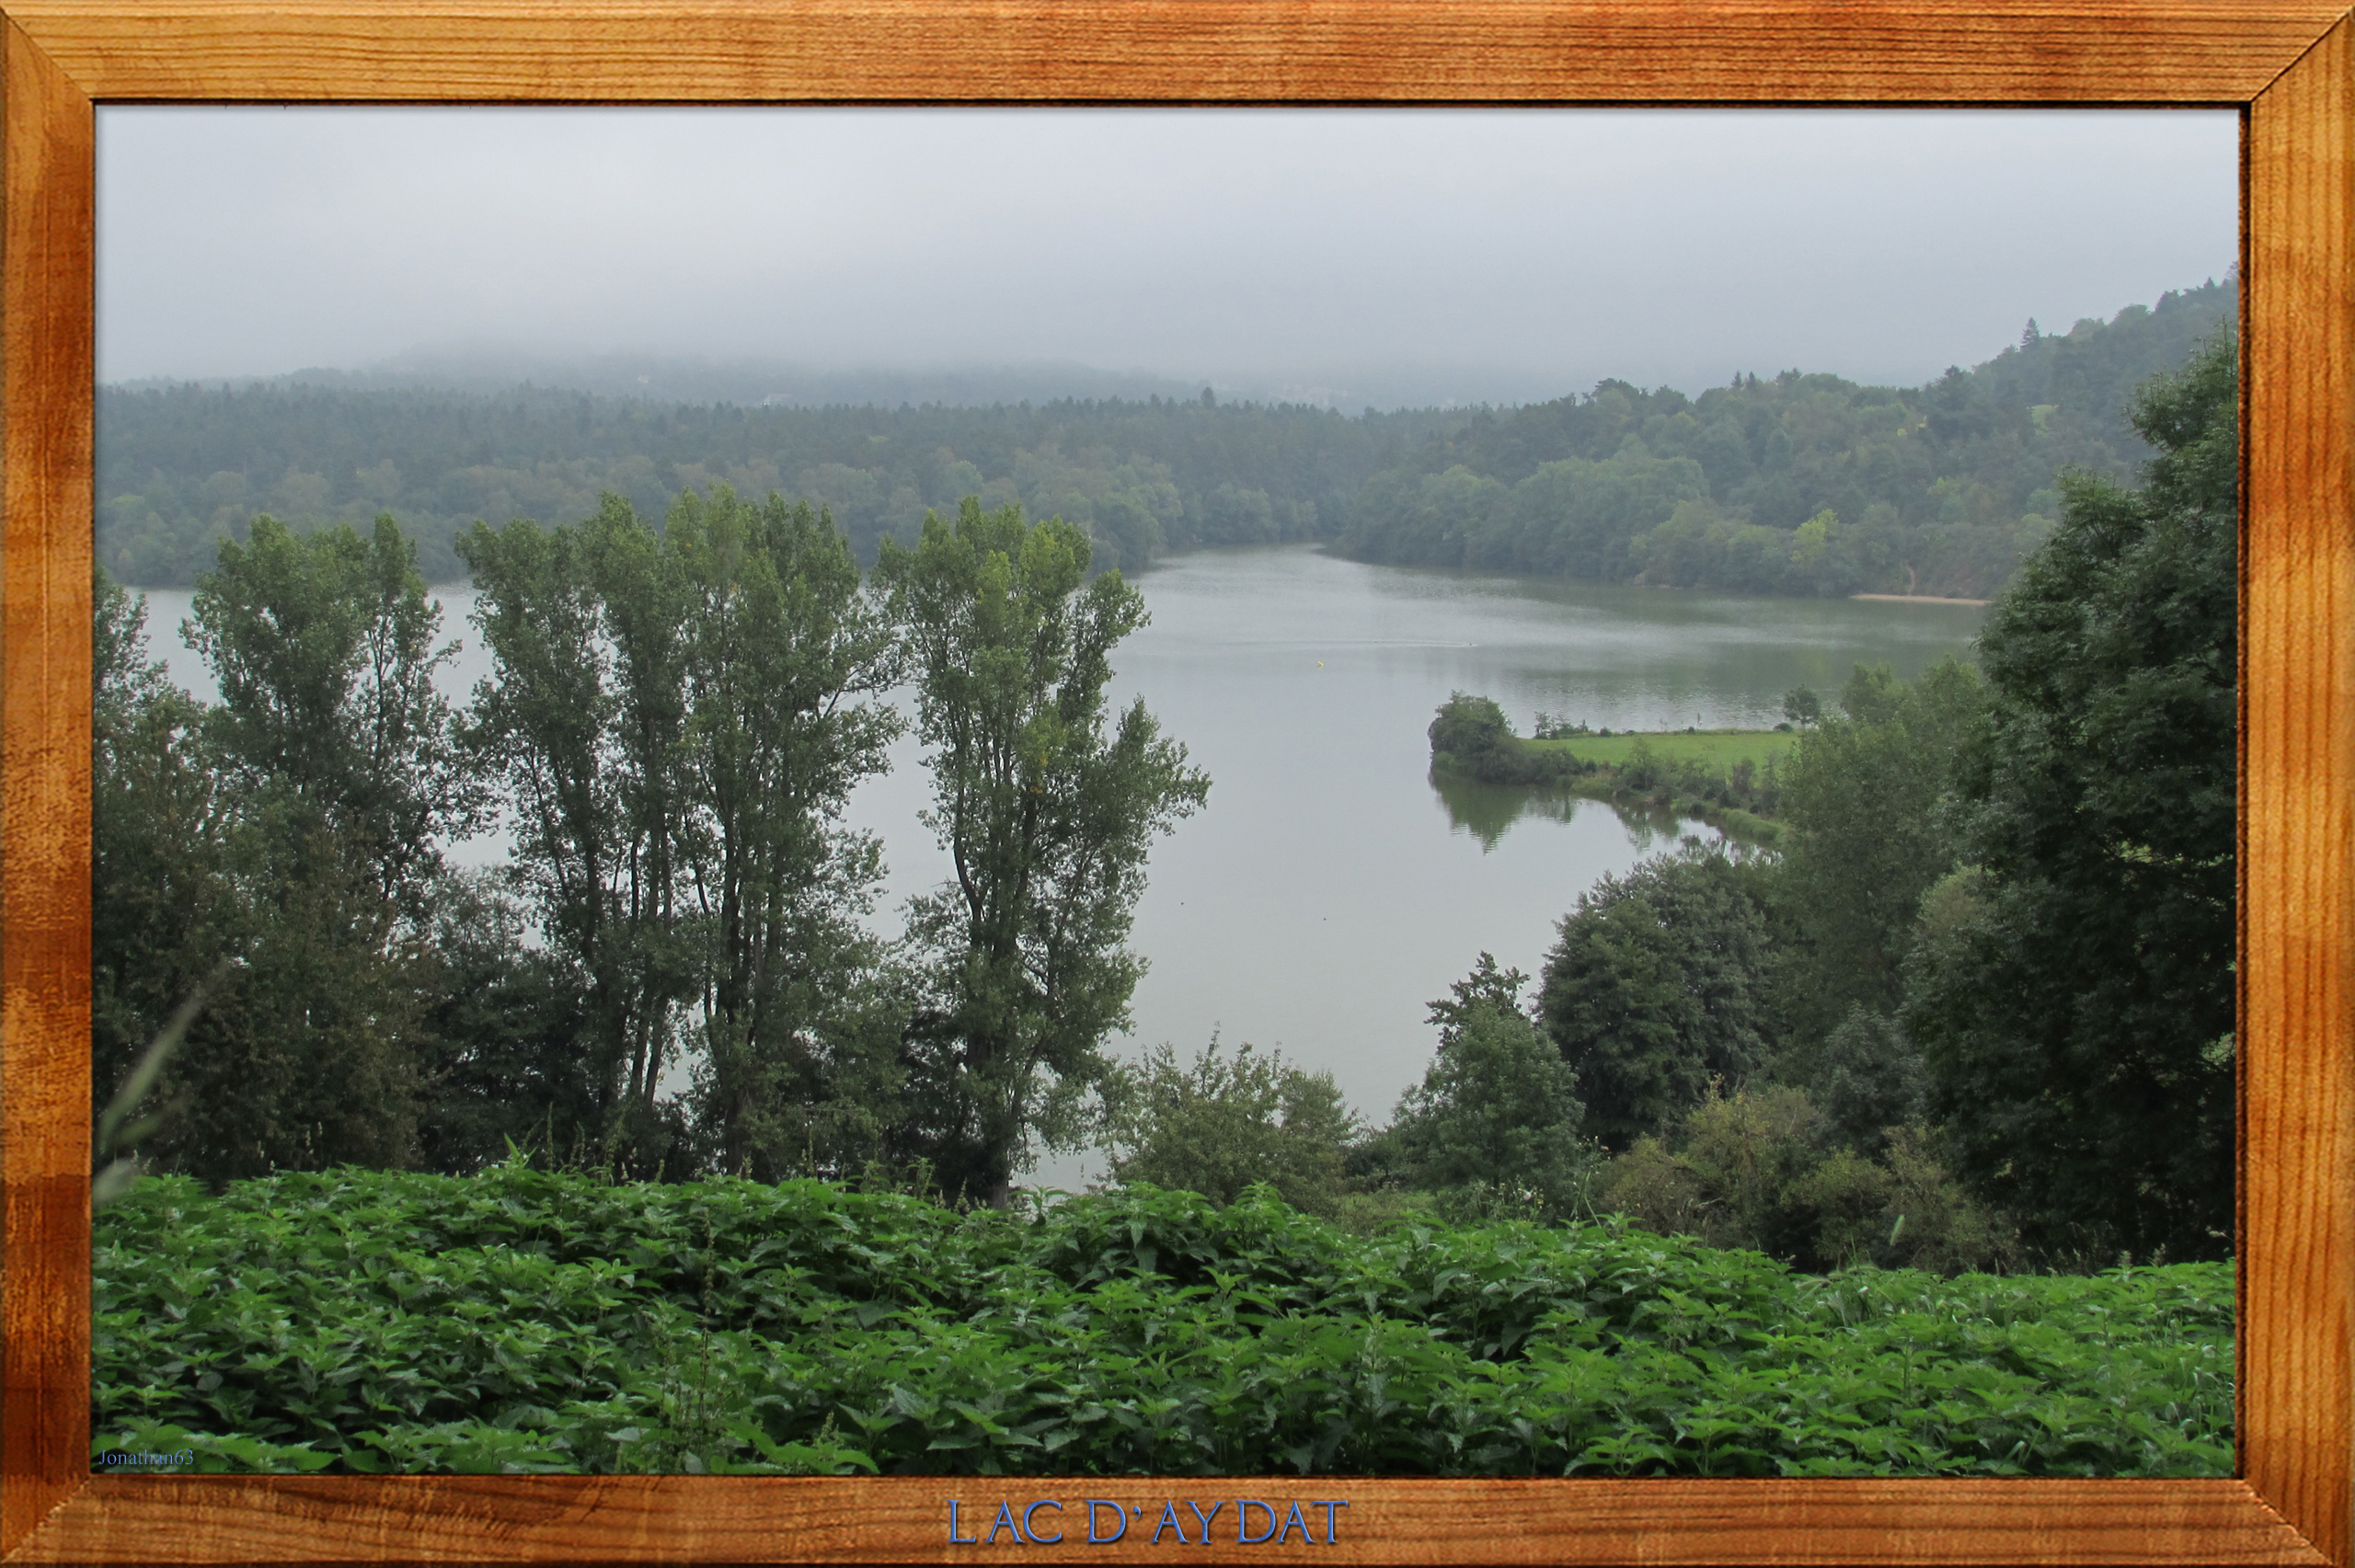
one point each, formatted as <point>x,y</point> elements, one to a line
<point>1468,729</point>
<point>517,1322</point>
<point>1226,1121</point>
<point>1764,1168</point>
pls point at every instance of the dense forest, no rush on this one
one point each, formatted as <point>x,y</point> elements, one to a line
<point>184,468</point>
<point>1801,484</point>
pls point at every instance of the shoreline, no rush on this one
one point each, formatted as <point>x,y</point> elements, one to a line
<point>1920,599</point>
<point>1551,766</point>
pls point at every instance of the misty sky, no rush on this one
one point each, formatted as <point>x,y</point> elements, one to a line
<point>1498,255</point>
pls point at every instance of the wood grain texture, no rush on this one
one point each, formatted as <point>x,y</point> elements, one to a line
<point>2298,1002</point>
<point>2297,812</point>
<point>1201,51</point>
<point>664,1519</point>
<point>45,374</point>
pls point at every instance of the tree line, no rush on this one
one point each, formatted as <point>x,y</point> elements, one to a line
<point>182,468</point>
<point>289,973</point>
<point>1804,483</point>
<point>1975,1010</point>
<point>1801,484</point>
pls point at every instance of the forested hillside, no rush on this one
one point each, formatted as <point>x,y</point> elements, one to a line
<point>182,468</point>
<point>1803,484</point>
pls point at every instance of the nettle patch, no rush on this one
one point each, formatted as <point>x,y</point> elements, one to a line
<point>521,1322</point>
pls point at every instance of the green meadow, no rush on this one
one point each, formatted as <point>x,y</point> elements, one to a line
<point>1716,749</point>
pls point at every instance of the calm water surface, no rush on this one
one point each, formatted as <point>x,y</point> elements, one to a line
<point>1329,891</point>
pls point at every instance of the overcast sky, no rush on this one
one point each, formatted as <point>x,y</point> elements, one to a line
<point>1507,252</point>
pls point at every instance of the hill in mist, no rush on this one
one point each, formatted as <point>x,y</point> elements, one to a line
<point>1938,488</point>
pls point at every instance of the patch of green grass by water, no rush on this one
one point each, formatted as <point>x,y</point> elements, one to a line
<point>1716,749</point>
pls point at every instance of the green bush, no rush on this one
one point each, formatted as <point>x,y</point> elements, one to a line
<point>518,1320</point>
<point>1226,1121</point>
<point>1468,729</point>
<point>1764,1168</point>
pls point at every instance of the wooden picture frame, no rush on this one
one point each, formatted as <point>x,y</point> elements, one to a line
<point>2288,67</point>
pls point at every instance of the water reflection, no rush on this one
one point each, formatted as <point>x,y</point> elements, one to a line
<point>1486,812</point>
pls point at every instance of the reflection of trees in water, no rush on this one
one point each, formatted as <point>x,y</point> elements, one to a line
<point>1486,810</point>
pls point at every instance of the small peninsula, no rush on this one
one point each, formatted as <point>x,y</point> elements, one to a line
<point>1728,778</point>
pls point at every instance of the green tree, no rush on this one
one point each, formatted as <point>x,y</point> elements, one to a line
<point>1867,1080</point>
<point>1657,989</point>
<point>679,717</point>
<point>1047,819</point>
<point>312,1051</point>
<point>1498,1110</point>
<point>581,722</point>
<point>2077,1021</point>
<point>161,904</point>
<point>1224,1123</point>
<point>786,660</point>
<point>1468,732</point>
<point>323,646</point>
<point>505,1021</point>
<point>312,800</point>
<point>1862,793</point>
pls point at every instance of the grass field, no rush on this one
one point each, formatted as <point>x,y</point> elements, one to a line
<point>1717,750</point>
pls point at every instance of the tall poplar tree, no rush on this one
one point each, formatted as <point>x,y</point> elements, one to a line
<point>551,725</point>
<point>678,718</point>
<point>1047,815</point>
<point>311,800</point>
<point>787,664</point>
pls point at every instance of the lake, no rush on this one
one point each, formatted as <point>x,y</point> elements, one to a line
<point>1330,889</point>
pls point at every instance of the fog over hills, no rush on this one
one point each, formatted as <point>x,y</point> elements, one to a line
<point>1342,258</point>
<point>1944,485</point>
<point>754,381</point>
